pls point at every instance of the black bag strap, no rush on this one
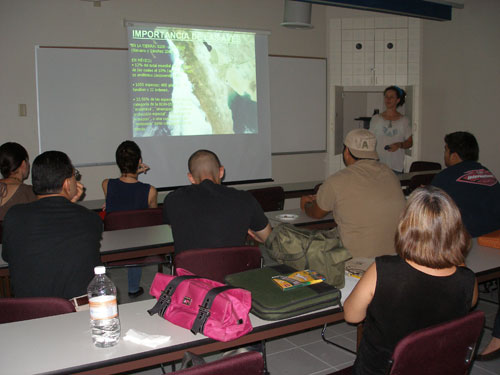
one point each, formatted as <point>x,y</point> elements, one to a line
<point>167,293</point>
<point>204,311</point>
<point>190,360</point>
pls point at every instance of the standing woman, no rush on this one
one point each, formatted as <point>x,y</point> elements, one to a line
<point>423,285</point>
<point>15,168</point>
<point>128,193</point>
<point>392,130</point>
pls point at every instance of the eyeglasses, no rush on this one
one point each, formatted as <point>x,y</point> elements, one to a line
<point>77,174</point>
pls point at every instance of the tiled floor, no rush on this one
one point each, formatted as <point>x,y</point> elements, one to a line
<point>306,353</point>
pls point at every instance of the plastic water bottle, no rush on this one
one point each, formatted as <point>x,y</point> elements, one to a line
<point>104,321</point>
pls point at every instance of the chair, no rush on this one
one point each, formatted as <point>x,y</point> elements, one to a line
<point>446,349</point>
<point>418,181</point>
<point>134,219</point>
<point>16,309</point>
<point>270,199</point>
<point>419,166</point>
<point>215,264</point>
<point>249,363</point>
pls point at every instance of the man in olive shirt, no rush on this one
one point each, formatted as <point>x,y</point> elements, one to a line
<point>365,198</point>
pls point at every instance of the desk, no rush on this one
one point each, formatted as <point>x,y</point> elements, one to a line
<point>62,344</point>
<point>275,218</point>
<point>484,261</point>
<point>136,242</point>
<point>292,190</point>
<point>405,178</point>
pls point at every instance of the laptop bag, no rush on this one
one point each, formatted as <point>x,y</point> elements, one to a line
<point>269,302</point>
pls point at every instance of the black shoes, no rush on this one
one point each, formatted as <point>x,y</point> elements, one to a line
<point>488,357</point>
<point>136,294</point>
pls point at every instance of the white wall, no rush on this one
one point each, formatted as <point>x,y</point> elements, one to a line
<point>460,74</point>
<point>26,23</point>
<point>461,80</point>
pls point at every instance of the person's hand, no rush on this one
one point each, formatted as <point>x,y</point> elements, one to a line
<point>143,168</point>
<point>394,147</point>
<point>79,192</point>
<point>306,199</point>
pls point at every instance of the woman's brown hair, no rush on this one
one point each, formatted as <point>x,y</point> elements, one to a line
<point>430,231</point>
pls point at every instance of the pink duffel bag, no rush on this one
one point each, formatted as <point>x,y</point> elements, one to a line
<point>202,305</point>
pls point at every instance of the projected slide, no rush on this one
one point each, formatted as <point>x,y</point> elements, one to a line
<point>187,81</point>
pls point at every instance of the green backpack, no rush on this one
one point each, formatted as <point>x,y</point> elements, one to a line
<point>302,248</point>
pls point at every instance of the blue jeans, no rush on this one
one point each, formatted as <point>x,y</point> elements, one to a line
<point>134,278</point>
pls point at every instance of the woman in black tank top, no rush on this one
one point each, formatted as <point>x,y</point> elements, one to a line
<point>426,283</point>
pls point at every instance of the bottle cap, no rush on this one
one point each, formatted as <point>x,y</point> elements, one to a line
<point>99,270</point>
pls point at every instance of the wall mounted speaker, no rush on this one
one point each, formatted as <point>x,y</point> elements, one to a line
<point>297,15</point>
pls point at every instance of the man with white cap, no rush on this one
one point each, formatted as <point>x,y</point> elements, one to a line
<point>365,198</point>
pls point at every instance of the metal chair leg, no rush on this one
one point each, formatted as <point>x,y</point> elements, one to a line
<point>332,343</point>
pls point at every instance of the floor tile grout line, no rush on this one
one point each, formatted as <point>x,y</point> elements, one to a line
<point>485,369</point>
<point>282,351</point>
<point>327,369</point>
<point>319,359</point>
<point>316,357</point>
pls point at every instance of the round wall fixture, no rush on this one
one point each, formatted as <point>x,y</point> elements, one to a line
<point>297,15</point>
<point>390,45</point>
<point>359,46</point>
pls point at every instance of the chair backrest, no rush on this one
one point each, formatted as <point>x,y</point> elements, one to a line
<point>445,349</point>
<point>1,230</point>
<point>215,264</point>
<point>133,219</point>
<point>250,363</point>
<point>418,166</point>
<point>419,180</point>
<point>270,199</point>
<point>16,309</point>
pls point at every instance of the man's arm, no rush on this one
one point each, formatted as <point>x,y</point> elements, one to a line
<point>261,235</point>
<point>310,207</point>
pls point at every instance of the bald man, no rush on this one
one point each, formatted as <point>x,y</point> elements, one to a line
<point>207,214</point>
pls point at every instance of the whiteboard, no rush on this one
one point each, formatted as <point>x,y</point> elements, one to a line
<point>83,103</point>
<point>298,104</point>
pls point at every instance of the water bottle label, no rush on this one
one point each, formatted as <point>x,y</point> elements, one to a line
<point>103,307</point>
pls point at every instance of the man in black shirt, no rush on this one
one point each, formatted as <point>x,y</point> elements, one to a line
<point>52,244</point>
<point>207,214</point>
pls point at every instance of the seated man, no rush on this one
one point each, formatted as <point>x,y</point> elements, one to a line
<point>210,215</point>
<point>476,192</point>
<point>472,186</point>
<point>52,244</point>
<point>365,198</point>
